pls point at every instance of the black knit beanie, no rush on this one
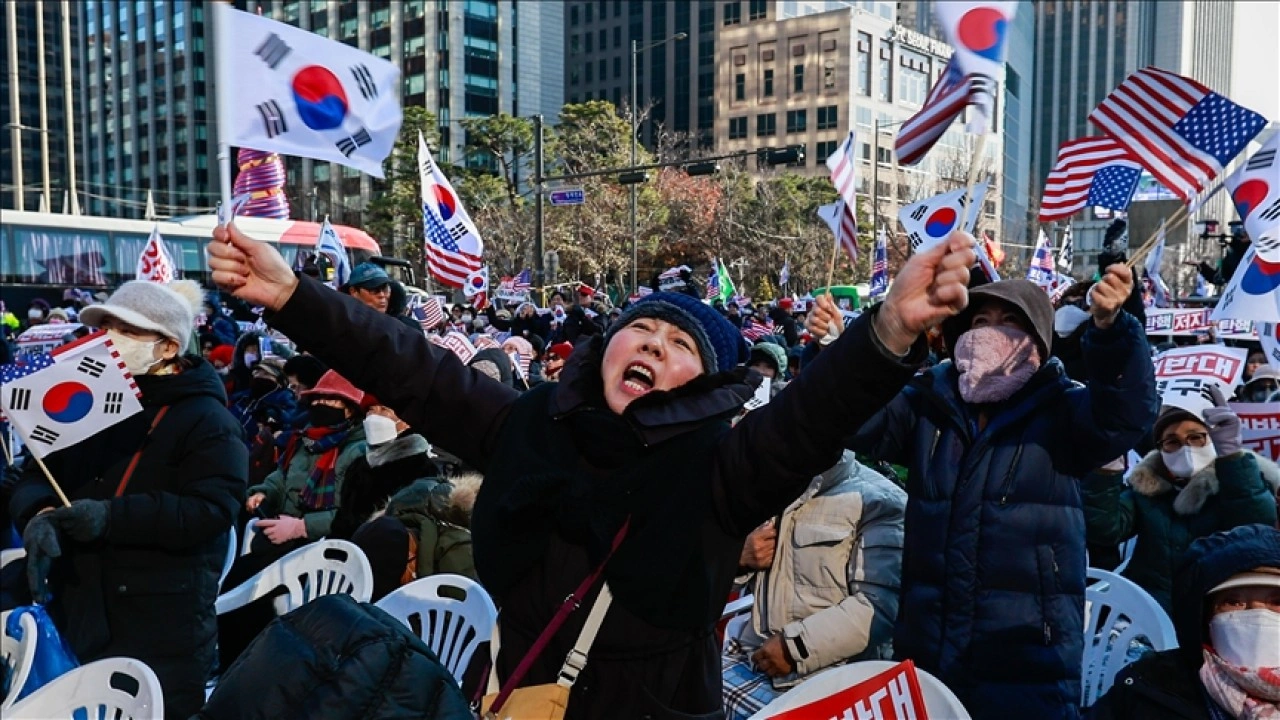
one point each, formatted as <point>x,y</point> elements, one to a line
<point>671,313</point>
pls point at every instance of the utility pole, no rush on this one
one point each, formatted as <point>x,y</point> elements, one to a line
<point>45,188</point>
<point>15,105</point>
<point>541,280</point>
<point>635,251</point>
<point>68,105</point>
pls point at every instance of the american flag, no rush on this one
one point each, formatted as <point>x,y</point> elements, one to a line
<point>1041,271</point>
<point>753,331</point>
<point>842,166</point>
<point>522,282</point>
<point>1180,130</point>
<point>713,284</point>
<point>947,99</point>
<point>1090,172</point>
<point>839,217</point>
<point>428,311</point>
<point>880,265</point>
<point>453,244</point>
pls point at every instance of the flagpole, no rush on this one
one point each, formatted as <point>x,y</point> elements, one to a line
<point>974,165</point>
<point>222,98</point>
<point>8,456</point>
<point>835,249</point>
<point>1183,213</point>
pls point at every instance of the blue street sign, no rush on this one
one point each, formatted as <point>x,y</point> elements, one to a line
<point>567,196</point>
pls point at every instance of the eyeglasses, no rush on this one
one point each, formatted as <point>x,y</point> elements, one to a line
<point>1173,444</point>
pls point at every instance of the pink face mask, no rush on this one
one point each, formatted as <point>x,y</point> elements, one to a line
<point>995,362</point>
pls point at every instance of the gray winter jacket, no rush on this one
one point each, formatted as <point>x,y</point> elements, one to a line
<point>833,587</point>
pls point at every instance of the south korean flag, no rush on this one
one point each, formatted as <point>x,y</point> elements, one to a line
<point>296,93</point>
<point>56,400</point>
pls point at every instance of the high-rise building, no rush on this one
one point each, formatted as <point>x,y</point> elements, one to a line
<point>811,78</point>
<point>147,106</point>
<point>38,102</point>
<point>675,79</point>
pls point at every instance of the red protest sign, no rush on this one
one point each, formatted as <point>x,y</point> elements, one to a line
<point>892,695</point>
<point>1260,427</point>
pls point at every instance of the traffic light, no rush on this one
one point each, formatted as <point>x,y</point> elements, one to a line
<point>704,168</point>
<point>633,178</point>
<point>793,154</point>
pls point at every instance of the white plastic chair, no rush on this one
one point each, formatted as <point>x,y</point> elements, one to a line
<point>1116,613</point>
<point>939,701</point>
<point>233,551</point>
<point>738,613</point>
<point>8,556</point>
<point>324,567</point>
<point>250,532</point>
<point>18,654</point>
<point>121,688</point>
<point>1126,554</point>
<point>452,628</point>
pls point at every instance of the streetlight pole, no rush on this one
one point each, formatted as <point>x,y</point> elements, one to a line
<point>875,174</point>
<point>635,105</point>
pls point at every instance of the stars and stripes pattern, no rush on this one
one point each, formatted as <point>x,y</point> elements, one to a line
<point>753,331</point>
<point>947,99</point>
<point>839,217</point>
<point>522,282</point>
<point>427,311</point>
<point>713,284</point>
<point>453,243</point>
<point>842,167</point>
<point>1041,270</point>
<point>1090,171</point>
<point>1179,130</point>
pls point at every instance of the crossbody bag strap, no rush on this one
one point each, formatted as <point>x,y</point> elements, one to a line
<point>566,608</point>
<point>577,658</point>
<point>133,463</point>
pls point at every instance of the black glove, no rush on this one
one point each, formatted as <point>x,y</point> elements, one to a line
<point>85,521</point>
<point>40,540</point>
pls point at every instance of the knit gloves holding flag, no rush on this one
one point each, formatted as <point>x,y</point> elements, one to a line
<point>84,521</point>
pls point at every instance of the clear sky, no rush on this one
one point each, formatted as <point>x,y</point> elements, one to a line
<point>1255,63</point>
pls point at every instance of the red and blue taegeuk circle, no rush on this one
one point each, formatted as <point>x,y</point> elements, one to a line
<point>981,31</point>
<point>446,203</point>
<point>68,402</point>
<point>1261,277</point>
<point>477,282</point>
<point>940,222</point>
<point>1249,195</point>
<point>321,101</point>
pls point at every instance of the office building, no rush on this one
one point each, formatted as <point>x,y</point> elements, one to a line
<point>809,79</point>
<point>147,106</point>
<point>38,101</point>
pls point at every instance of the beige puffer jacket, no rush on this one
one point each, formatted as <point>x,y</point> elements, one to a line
<point>833,588</point>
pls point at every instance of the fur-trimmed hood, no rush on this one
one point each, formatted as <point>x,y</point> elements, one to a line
<point>1151,478</point>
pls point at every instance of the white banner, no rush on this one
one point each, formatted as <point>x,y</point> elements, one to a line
<point>1184,375</point>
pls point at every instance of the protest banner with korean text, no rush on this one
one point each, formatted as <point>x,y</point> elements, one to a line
<point>1184,375</point>
<point>1260,427</point>
<point>894,694</point>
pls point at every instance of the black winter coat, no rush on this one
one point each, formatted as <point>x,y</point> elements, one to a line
<point>993,569</point>
<point>371,480</point>
<point>1160,686</point>
<point>147,591</point>
<point>336,659</point>
<point>561,473</point>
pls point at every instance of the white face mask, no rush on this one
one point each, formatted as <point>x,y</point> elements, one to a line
<point>138,355</point>
<point>1189,460</point>
<point>379,429</point>
<point>466,318</point>
<point>250,359</point>
<point>1247,637</point>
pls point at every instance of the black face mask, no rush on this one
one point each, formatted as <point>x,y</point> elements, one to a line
<point>325,416</point>
<point>261,386</point>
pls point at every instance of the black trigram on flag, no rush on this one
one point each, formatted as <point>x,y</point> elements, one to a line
<point>1271,212</point>
<point>920,212</point>
<point>364,79</point>
<point>915,239</point>
<point>1261,159</point>
<point>349,145</point>
<point>457,232</point>
<point>91,367</point>
<point>272,118</point>
<point>113,403</point>
<point>19,398</point>
<point>273,50</point>
<point>44,435</point>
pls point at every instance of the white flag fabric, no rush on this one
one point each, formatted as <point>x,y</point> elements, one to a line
<point>1153,262</point>
<point>329,244</point>
<point>842,167</point>
<point>1253,293</point>
<point>1255,190</point>
<point>57,400</point>
<point>155,264</point>
<point>477,282</point>
<point>297,93</point>
<point>978,29</point>
<point>1269,336</point>
<point>932,220</point>
<point>453,244</point>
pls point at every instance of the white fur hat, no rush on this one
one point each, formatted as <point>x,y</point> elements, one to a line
<point>169,310</point>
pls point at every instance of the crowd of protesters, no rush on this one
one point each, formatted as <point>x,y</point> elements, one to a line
<point>925,479</point>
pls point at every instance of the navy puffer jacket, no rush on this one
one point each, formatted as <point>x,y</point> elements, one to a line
<point>994,559</point>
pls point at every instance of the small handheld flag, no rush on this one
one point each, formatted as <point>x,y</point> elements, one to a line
<point>329,244</point>
<point>155,264</point>
<point>454,247</point>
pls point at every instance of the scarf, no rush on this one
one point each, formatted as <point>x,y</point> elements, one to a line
<point>1244,693</point>
<point>321,490</point>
